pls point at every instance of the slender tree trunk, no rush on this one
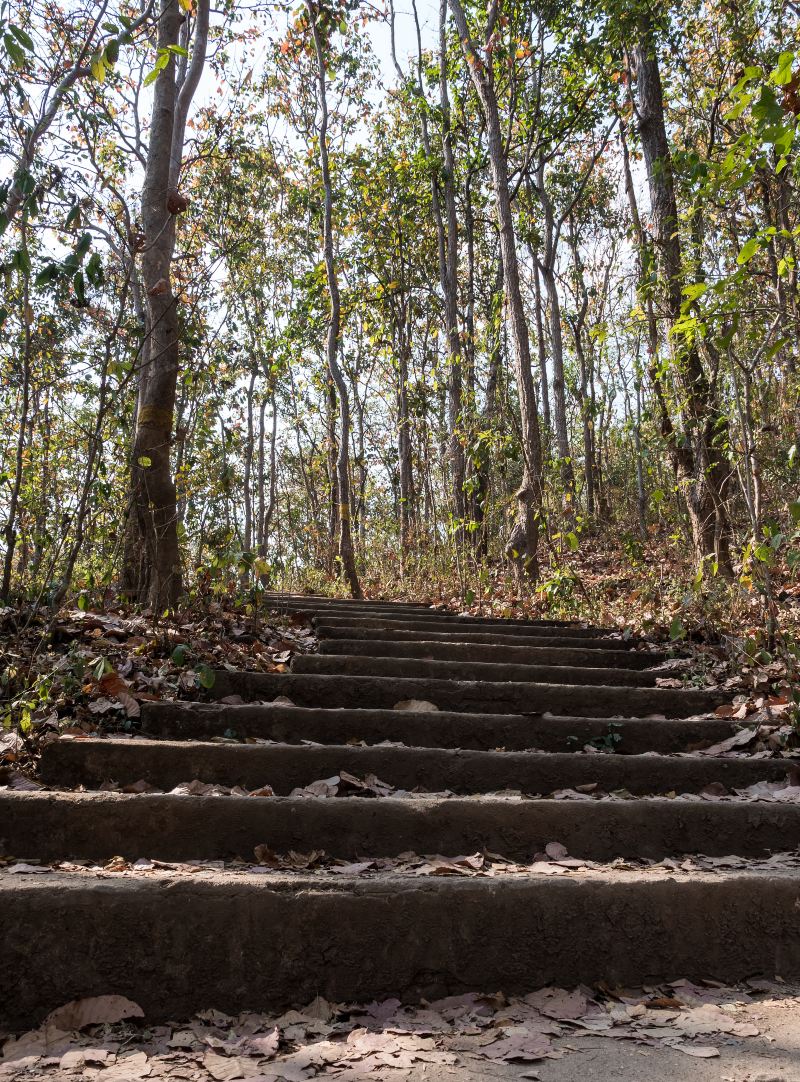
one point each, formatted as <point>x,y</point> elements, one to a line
<point>248,466</point>
<point>346,552</point>
<point>333,478</point>
<point>541,344</point>
<point>152,571</point>
<point>704,424</point>
<point>547,268</point>
<point>523,543</point>
<point>266,521</point>
<point>455,376</point>
<point>11,526</point>
<point>404,449</point>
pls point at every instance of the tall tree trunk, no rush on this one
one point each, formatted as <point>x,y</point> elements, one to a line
<point>11,526</point>
<point>346,552</point>
<point>547,268</point>
<point>333,477</point>
<point>523,543</point>
<point>248,466</point>
<point>455,375</point>
<point>152,571</point>
<point>704,423</point>
<point>541,344</point>
<point>404,450</point>
<point>586,370</point>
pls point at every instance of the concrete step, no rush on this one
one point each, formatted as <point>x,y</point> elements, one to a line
<point>316,602</point>
<point>436,617</point>
<point>359,665</point>
<point>384,692</point>
<point>174,946</point>
<point>291,724</point>
<point>445,649</point>
<point>97,826</point>
<point>392,611</point>
<point>91,762</point>
<point>417,622</point>
<point>327,628</point>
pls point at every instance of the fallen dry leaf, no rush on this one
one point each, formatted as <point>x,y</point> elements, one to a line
<point>92,1011</point>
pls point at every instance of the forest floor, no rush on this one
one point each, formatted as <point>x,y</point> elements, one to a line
<point>88,671</point>
<point>90,666</point>
<point>665,1034</point>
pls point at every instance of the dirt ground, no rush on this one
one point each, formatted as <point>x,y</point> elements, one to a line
<point>665,1034</point>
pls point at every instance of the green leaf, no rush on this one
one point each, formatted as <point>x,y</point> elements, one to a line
<point>48,274</point>
<point>206,676</point>
<point>161,62</point>
<point>94,269</point>
<point>676,629</point>
<point>17,55</point>
<point>694,290</point>
<point>573,542</point>
<point>144,461</point>
<point>178,655</point>
<point>101,667</point>
<point>22,37</point>
<point>79,285</point>
<point>782,73</point>
<point>749,249</point>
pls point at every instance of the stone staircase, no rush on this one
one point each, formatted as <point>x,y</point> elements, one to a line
<point>518,702</point>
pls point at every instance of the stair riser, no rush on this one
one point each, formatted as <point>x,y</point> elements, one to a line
<point>177,949</point>
<point>92,762</point>
<point>300,602</point>
<point>401,612</point>
<point>434,729</point>
<point>336,664</point>
<point>94,826</point>
<point>327,630</point>
<point>449,619</point>
<point>457,624</point>
<point>484,652</point>
<point>465,696</point>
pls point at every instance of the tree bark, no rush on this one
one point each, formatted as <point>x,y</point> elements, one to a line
<point>703,467</point>
<point>455,376</point>
<point>152,571</point>
<point>523,543</point>
<point>346,552</point>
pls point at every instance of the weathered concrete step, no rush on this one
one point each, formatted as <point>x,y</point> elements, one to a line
<point>467,623</point>
<point>427,729</point>
<point>325,629</point>
<point>445,649</point>
<point>357,665</point>
<point>96,826</point>
<point>271,942</point>
<point>309,689</point>
<point>317,601</point>
<point>165,764</point>
<point>392,611</point>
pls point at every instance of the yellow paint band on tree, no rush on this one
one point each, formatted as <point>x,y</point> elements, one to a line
<point>155,416</point>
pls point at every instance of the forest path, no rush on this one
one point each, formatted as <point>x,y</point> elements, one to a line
<point>446,804</point>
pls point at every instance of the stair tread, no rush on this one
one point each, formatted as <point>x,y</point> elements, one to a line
<point>466,695</point>
<point>285,767</point>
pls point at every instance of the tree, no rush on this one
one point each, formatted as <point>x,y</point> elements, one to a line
<point>152,570</point>
<point>697,452</point>
<point>320,22</point>
<point>523,542</point>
